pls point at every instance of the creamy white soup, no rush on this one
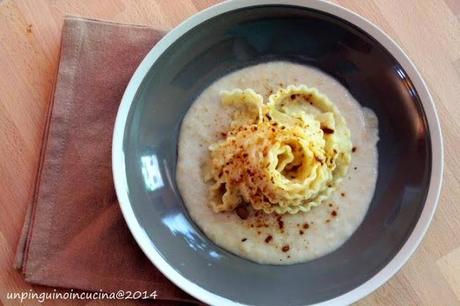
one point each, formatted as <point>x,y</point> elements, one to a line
<point>277,238</point>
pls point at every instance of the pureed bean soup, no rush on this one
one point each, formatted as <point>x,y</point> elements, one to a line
<point>275,237</point>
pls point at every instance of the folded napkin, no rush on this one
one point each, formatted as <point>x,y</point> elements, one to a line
<point>74,235</point>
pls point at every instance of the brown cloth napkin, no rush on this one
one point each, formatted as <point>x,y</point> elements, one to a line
<point>74,235</point>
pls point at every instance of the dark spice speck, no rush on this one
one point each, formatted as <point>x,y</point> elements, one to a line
<point>242,212</point>
<point>327,130</point>
<point>280,223</point>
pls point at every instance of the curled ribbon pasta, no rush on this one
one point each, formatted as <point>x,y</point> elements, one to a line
<point>284,156</point>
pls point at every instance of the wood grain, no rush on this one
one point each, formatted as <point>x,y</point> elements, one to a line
<point>428,30</point>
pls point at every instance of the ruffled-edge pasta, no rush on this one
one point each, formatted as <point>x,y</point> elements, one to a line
<point>285,156</point>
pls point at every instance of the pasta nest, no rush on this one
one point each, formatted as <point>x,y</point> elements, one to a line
<point>284,156</point>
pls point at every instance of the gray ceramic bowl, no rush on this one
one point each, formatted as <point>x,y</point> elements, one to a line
<point>236,34</point>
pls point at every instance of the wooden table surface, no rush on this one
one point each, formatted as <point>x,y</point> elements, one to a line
<point>428,30</point>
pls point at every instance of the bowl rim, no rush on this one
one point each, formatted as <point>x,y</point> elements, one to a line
<point>437,159</point>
